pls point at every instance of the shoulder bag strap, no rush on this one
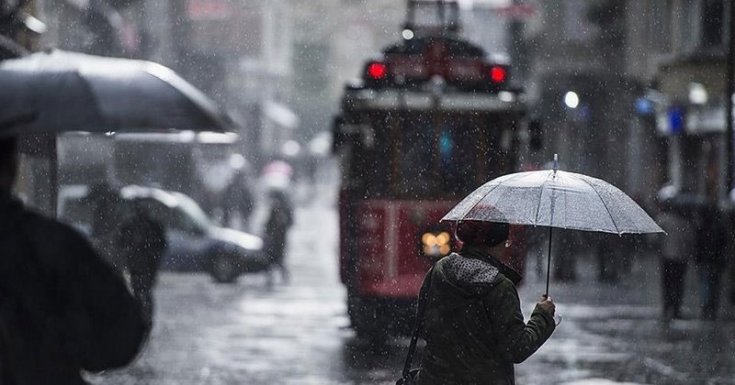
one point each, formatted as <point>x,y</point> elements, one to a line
<point>423,295</point>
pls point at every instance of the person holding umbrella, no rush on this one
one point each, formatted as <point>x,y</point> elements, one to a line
<point>473,325</point>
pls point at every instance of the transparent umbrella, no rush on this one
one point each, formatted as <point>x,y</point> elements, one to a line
<point>554,198</point>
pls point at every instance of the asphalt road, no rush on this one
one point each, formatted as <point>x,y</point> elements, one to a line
<point>298,333</point>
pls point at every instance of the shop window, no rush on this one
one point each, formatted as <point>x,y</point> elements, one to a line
<point>700,25</point>
<point>659,16</point>
<point>712,31</point>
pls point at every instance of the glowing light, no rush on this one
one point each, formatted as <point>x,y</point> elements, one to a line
<point>407,34</point>
<point>436,245</point>
<point>506,96</point>
<point>442,238</point>
<point>498,74</point>
<point>428,239</point>
<point>698,94</point>
<point>571,99</point>
<point>377,70</point>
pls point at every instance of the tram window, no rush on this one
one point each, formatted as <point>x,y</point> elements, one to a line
<point>366,164</point>
<point>416,158</point>
<point>424,156</point>
<point>458,150</point>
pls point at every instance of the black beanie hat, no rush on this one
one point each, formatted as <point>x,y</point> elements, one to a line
<point>482,233</point>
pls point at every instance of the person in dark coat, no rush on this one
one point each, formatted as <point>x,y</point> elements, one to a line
<point>142,241</point>
<point>711,258</point>
<point>106,212</point>
<point>238,201</point>
<point>473,325</point>
<point>276,231</point>
<point>62,308</point>
<point>677,249</point>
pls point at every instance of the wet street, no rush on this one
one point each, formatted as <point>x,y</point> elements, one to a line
<point>250,333</point>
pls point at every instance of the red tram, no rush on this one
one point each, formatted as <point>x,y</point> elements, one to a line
<point>432,120</point>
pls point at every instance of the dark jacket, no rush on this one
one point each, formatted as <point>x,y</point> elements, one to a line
<point>276,228</point>
<point>712,237</point>
<point>142,241</point>
<point>62,309</point>
<point>473,325</point>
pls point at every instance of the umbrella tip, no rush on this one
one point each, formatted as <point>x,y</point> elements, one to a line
<point>556,162</point>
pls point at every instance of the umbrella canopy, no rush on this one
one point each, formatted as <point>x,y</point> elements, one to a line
<point>555,199</point>
<point>57,91</point>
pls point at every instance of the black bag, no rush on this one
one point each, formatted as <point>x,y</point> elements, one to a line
<point>409,376</point>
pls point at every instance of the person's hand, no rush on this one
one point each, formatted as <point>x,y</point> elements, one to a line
<point>547,304</point>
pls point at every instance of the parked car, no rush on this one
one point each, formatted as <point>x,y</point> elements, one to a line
<point>195,243</point>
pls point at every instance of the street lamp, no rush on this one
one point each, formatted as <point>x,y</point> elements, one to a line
<point>571,99</point>
<point>698,94</point>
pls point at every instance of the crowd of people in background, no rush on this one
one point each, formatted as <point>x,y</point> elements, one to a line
<point>699,234</point>
<point>698,244</point>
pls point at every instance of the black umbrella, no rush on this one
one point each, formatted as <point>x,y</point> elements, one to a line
<point>57,91</point>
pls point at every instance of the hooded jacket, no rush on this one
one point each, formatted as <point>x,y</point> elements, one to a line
<point>473,325</point>
<point>62,309</point>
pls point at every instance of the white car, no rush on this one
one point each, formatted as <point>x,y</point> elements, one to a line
<point>194,242</point>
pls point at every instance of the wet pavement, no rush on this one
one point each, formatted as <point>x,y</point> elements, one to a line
<point>297,333</point>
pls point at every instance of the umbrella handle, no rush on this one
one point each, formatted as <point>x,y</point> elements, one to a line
<point>548,263</point>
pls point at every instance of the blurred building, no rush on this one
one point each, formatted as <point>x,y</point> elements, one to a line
<point>237,51</point>
<point>579,84</point>
<point>689,88</point>
<point>631,91</point>
<point>333,39</point>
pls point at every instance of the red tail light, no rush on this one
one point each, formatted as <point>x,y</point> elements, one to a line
<point>498,74</point>
<point>377,71</point>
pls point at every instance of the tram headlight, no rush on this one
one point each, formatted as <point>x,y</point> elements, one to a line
<point>436,245</point>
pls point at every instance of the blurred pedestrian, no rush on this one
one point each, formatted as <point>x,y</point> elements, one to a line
<point>567,245</point>
<point>473,325</point>
<point>238,201</point>
<point>277,175</point>
<point>731,249</point>
<point>106,213</point>
<point>62,308</point>
<point>731,278</point>
<point>279,221</point>
<point>677,248</point>
<point>610,251</point>
<point>142,242</point>
<point>711,258</point>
